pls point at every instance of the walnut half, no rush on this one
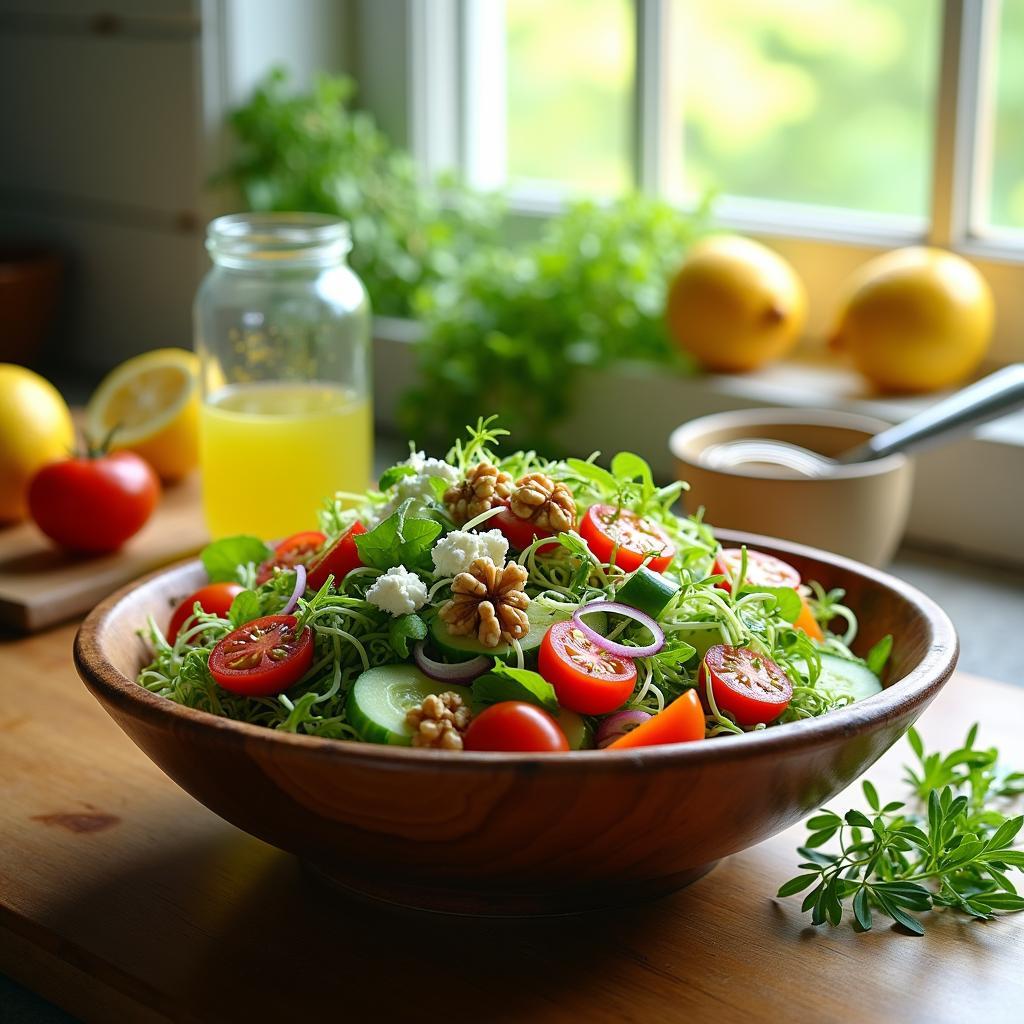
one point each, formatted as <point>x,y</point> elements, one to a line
<point>543,501</point>
<point>489,602</point>
<point>483,487</point>
<point>439,721</point>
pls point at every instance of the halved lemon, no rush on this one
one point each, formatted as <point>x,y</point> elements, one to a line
<point>153,402</point>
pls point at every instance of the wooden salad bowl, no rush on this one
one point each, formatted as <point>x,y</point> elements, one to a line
<point>521,834</point>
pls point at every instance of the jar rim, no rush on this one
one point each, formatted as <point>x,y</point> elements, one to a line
<point>254,239</point>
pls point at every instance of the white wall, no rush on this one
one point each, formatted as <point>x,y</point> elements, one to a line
<point>112,121</point>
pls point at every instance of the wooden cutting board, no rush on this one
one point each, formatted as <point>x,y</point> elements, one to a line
<point>122,899</point>
<point>41,585</point>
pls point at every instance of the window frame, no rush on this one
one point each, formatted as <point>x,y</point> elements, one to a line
<point>449,95</point>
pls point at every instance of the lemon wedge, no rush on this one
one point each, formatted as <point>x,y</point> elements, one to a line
<point>153,402</point>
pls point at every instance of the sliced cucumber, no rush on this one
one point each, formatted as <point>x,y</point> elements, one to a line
<point>702,635</point>
<point>462,648</point>
<point>577,732</point>
<point>647,591</point>
<point>843,677</point>
<point>379,699</point>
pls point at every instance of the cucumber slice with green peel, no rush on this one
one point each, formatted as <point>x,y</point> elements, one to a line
<point>379,699</point>
<point>702,636</point>
<point>843,677</point>
<point>647,591</point>
<point>462,648</point>
<point>577,732</point>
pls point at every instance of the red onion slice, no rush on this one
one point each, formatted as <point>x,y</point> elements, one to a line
<point>460,672</point>
<point>621,650</point>
<point>298,591</point>
<point>618,725</point>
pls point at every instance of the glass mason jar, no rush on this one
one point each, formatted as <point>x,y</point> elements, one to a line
<point>282,328</point>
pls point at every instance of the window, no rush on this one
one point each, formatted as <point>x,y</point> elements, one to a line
<point>834,129</point>
<point>1006,191</point>
<point>810,101</point>
<point>569,84</point>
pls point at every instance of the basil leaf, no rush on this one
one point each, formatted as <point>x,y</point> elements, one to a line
<point>787,601</point>
<point>505,683</point>
<point>244,608</point>
<point>393,475</point>
<point>675,652</point>
<point>595,474</point>
<point>627,466</point>
<point>404,628</point>
<point>879,654</point>
<point>223,558</point>
<point>399,540</point>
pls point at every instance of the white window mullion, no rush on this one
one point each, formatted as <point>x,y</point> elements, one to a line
<point>433,84</point>
<point>484,93</point>
<point>967,36</point>
<point>656,155</point>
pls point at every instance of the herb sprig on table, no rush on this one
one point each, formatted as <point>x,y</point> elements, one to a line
<point>950,846</point>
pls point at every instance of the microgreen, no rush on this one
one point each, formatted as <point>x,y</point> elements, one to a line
<point>950,846</point>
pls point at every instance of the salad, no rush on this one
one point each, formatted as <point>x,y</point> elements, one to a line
<point>508,602</point>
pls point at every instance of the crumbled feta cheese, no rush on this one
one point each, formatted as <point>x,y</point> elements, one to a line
<point>457,552</point>
<point>398,592</point>
<point>418,486</point>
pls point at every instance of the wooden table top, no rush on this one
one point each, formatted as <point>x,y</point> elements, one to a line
<point>122,899</point>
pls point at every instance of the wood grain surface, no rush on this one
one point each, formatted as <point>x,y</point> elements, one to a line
<point>122,899</point>
<point>41,585</point>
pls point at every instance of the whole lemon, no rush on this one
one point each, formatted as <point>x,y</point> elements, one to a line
<point>35,428</point>
<point>735,304</point>
<point>916,319</point>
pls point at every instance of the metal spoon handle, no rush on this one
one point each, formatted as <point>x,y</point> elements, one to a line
<point>993,396</point>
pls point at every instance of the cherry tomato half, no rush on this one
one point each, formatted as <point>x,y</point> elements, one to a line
<point>605,526</point>
<point>214,598</point>
<point>263,657</point>
<point>586,678</point>
<point>681,722</point>
<point>515,725</point>
<point>762,570</point>
<point>338,560</point>
<point>520,533</point>
<point>749,686</point>
<point>298,549</point>
<point>94,504</point>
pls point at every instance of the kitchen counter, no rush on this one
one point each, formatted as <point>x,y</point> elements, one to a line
<point>987,606</point>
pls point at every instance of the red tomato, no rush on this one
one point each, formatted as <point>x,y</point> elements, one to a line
<point>514,725</point>
<point>681,722</point>
<point>263,657</point>
<point>298,549</point>
<point>749,686</point>
<point>94,504</point>
<point>604,527</point>
<point>520,533</point>
<point>214,598</point>
<point>586,678</point>
<point>762,570</point>
<point>338,560</point>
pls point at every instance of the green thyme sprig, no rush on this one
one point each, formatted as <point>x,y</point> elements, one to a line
<point>952,848</point>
